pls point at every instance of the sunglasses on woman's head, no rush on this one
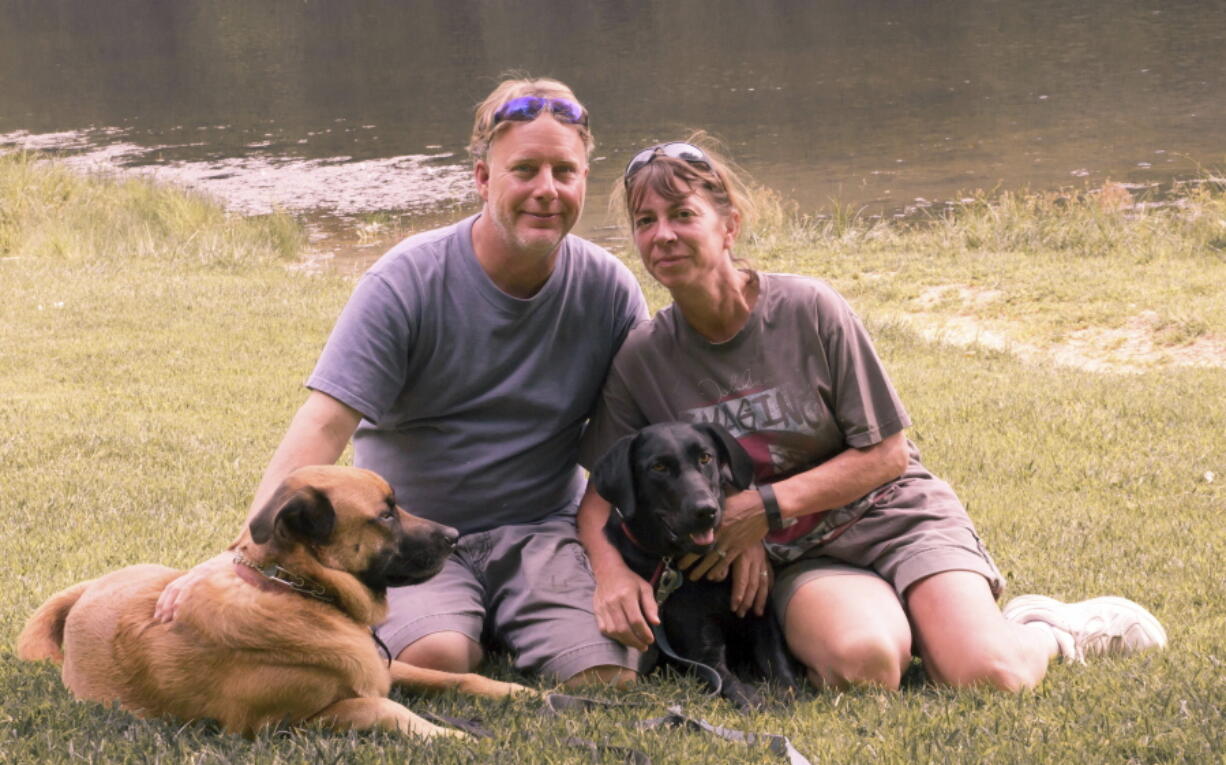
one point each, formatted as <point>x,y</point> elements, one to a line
<point>527,108</point>
<point>677,150</point>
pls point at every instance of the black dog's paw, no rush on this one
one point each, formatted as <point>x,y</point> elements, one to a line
<point>743,696</point>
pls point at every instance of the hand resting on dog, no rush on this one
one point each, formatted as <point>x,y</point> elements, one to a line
<point>669,483</point>
<point>317,435</point>
<point>178,591</point>
<point>624,602</point>
<point>740,538</point>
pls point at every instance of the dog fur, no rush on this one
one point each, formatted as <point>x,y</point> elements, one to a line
<point>250,653</point>
<point>667,483</point>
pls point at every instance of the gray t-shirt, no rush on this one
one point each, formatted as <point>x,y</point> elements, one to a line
<point>473,400</point>
<point>797,385</point>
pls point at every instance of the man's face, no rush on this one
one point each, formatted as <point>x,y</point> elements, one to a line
<point>533,180</point>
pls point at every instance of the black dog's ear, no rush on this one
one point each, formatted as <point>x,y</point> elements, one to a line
<point>295,513</point>
<point>613,475</point>
<point>736,468</point>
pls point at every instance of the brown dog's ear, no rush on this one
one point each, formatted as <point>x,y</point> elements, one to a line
<point>613,475</point>
<point>301,513</point>
<point>736,468</point>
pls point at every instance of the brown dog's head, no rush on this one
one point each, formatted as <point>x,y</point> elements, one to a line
<point>347,519</point>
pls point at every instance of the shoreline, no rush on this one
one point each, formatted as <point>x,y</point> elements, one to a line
<point>890,268</point>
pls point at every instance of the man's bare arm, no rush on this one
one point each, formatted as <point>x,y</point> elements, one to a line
<point>317,435</point>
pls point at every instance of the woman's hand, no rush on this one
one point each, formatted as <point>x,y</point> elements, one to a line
<point>752,580</point>
<point>179,591</point>
<point>625,607</point>
<point>744,527</point>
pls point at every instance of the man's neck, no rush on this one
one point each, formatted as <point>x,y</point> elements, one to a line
<point>518,273</point>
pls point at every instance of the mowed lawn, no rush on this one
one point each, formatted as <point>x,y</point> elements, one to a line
<point>152,350</point>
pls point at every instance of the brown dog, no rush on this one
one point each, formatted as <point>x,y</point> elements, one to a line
<point>281,635</point>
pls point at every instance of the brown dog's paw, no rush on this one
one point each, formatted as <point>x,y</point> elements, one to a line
<point>523,691</point>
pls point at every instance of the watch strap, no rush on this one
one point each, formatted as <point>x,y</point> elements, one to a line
<point>774,516</point>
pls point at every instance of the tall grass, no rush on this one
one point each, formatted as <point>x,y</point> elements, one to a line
<point>47,210</point>
<point>143,387</point>
<point>1051,264</point>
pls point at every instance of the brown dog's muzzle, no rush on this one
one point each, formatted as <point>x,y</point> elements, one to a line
<point>418,553</point>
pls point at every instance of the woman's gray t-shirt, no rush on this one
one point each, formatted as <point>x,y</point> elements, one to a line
<point>798,384</point>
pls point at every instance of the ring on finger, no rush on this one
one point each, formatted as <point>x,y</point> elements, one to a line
<point>722,553</point>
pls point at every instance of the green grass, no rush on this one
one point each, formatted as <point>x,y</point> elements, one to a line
<point>1036,268</point>
<point>147,372</point>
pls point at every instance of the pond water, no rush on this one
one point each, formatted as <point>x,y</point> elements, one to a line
<point>341,109</point>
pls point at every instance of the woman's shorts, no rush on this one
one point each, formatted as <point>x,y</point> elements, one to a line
<point>916,527</point>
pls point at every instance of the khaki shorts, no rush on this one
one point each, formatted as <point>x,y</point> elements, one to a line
<point>526,588</point>
<point>915,528</point>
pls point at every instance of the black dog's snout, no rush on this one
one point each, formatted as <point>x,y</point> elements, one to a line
<point>706,513</point>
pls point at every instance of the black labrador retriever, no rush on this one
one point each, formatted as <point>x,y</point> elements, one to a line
<point>667,485</point>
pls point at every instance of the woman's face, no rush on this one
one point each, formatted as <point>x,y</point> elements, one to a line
<point>682,242</point>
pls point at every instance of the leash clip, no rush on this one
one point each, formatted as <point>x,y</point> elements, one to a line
<point>670,580</point>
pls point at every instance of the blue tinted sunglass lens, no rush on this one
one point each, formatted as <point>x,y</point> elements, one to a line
<point>568,111</point>
<point>527,108</point>
<point>521,109</point>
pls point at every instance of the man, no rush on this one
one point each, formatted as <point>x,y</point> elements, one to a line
<point>464,368</point>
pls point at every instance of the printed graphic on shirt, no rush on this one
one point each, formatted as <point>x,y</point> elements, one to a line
<point>775,426</point>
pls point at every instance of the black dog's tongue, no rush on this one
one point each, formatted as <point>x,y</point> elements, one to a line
<point>703,538</point>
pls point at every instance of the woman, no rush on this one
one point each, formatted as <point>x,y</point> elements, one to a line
<point>875,557</point>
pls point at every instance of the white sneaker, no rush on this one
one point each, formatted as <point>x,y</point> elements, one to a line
<point>1096,627</point>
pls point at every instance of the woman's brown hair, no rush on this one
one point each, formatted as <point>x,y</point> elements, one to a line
<point>675,179</point>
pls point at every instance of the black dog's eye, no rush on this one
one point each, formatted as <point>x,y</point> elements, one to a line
<point>659,467</point>
<point>705,458</point>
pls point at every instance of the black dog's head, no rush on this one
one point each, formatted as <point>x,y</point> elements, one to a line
<point>667,483</point>
<point>346,520</point>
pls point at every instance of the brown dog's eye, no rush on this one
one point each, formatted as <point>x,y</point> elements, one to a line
<point>704,458</point>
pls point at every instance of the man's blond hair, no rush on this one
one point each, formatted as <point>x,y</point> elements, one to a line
<point>484,129</point>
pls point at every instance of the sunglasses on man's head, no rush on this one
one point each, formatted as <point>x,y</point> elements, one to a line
<point>527,108</point>
<point>677,150</point>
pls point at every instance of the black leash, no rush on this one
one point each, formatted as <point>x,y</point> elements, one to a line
<point>781,746</point>
<point>667,580</point>
<point>664,581</point>
<point>472,727</point>
<point>557,704</point>
<point>382,646</point>
<point>704,671</point>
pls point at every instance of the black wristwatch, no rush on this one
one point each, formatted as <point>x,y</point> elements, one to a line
<point>774,517</point>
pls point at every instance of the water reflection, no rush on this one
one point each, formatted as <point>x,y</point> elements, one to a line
<point>872,103</point>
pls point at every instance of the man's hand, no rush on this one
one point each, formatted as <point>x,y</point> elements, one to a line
<point>178,591</point>
<point>743,528</point>
<point>625,607</point>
